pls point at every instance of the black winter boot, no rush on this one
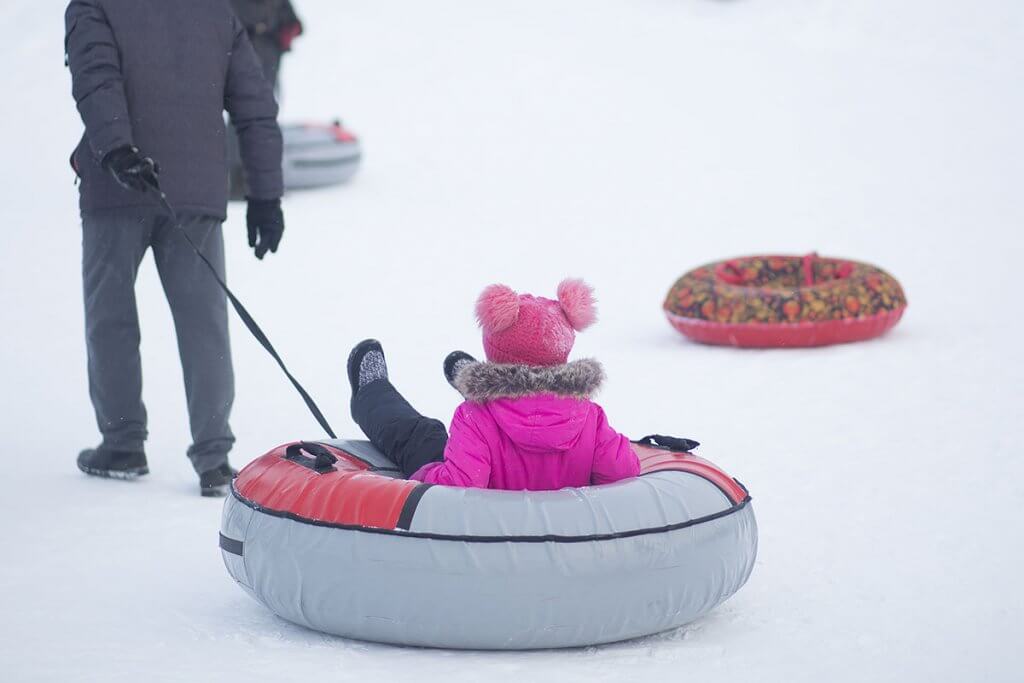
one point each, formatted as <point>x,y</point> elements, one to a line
<point>366,364</point>
<point>454,363</point>
<point>113,464</point>
<point>215,483</point>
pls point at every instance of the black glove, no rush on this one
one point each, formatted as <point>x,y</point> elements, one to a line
<point>265,221</point>
<point>131,170</point>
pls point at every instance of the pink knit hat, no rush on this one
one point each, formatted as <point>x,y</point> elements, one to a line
<point>531,330</point>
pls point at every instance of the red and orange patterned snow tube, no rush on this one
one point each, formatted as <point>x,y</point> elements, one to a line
<point>785,301</point>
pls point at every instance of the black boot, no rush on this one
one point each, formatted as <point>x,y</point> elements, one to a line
<point>454,363</point>
<point>215,482</point>
<point>366,364</point>
<point>113,464</point>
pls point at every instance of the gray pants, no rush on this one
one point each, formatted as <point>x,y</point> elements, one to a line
<point>113,244</point>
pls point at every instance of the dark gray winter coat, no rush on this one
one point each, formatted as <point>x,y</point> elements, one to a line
<point>159,74</point>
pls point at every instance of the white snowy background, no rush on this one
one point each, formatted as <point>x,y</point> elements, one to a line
<point>624,141</point>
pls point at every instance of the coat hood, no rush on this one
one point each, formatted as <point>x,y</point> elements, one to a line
<point>484,382</point>
<point>538,408</point>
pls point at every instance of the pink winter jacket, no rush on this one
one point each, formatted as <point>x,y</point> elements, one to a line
<point>531,428</point>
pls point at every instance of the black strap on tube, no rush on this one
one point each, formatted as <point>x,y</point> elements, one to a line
<point>322,460</point>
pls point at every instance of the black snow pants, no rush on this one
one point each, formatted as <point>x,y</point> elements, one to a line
<point>398,431</point>
<point>113,244</point>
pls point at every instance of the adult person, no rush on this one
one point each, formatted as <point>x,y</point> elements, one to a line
<point>152,79</point>
<point>272,25</point>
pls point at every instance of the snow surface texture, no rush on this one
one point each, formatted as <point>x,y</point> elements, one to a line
<point>623,142</point>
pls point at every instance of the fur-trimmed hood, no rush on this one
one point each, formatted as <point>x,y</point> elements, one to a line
<point>483,382</point>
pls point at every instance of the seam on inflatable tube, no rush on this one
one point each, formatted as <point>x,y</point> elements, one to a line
<point>409,508</point>
<point>245,539</point>
<point>700,476</point>
<point>787,326</point>
<point>546,538</point>
<point>325,163</point>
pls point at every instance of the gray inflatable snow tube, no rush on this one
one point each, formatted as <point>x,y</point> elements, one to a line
<point>318,155</point>
<point>327,535</point>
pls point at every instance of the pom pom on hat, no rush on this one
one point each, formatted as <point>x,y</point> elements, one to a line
<point>497,308</point>
<point>577,300</point>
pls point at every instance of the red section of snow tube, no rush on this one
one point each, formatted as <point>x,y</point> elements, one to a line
<point>780,335</point>
<point>347,494</point>
<point>653,459</point>
<point>336,129</point>
<point>342,134</point>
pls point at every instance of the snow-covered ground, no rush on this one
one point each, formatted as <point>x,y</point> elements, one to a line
<point>624,142</point>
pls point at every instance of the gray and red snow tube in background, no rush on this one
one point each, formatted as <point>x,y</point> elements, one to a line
<point>328,535</point>
<point>319,155</point>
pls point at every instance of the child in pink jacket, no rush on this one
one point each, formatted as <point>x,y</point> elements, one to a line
<point>527,423</point>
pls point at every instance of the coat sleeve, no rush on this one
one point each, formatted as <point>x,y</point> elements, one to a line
<point>96,80</point>
<point>249,101</point>
<point>467,457</point>
<point>614,457</point>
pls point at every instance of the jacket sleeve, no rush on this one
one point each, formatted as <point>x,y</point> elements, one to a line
<point>467,457</point>
<point>249,101</point>
<point>614,457</point>
<point>96,80</point>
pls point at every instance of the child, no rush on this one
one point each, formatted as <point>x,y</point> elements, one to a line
<point>528,421</point>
